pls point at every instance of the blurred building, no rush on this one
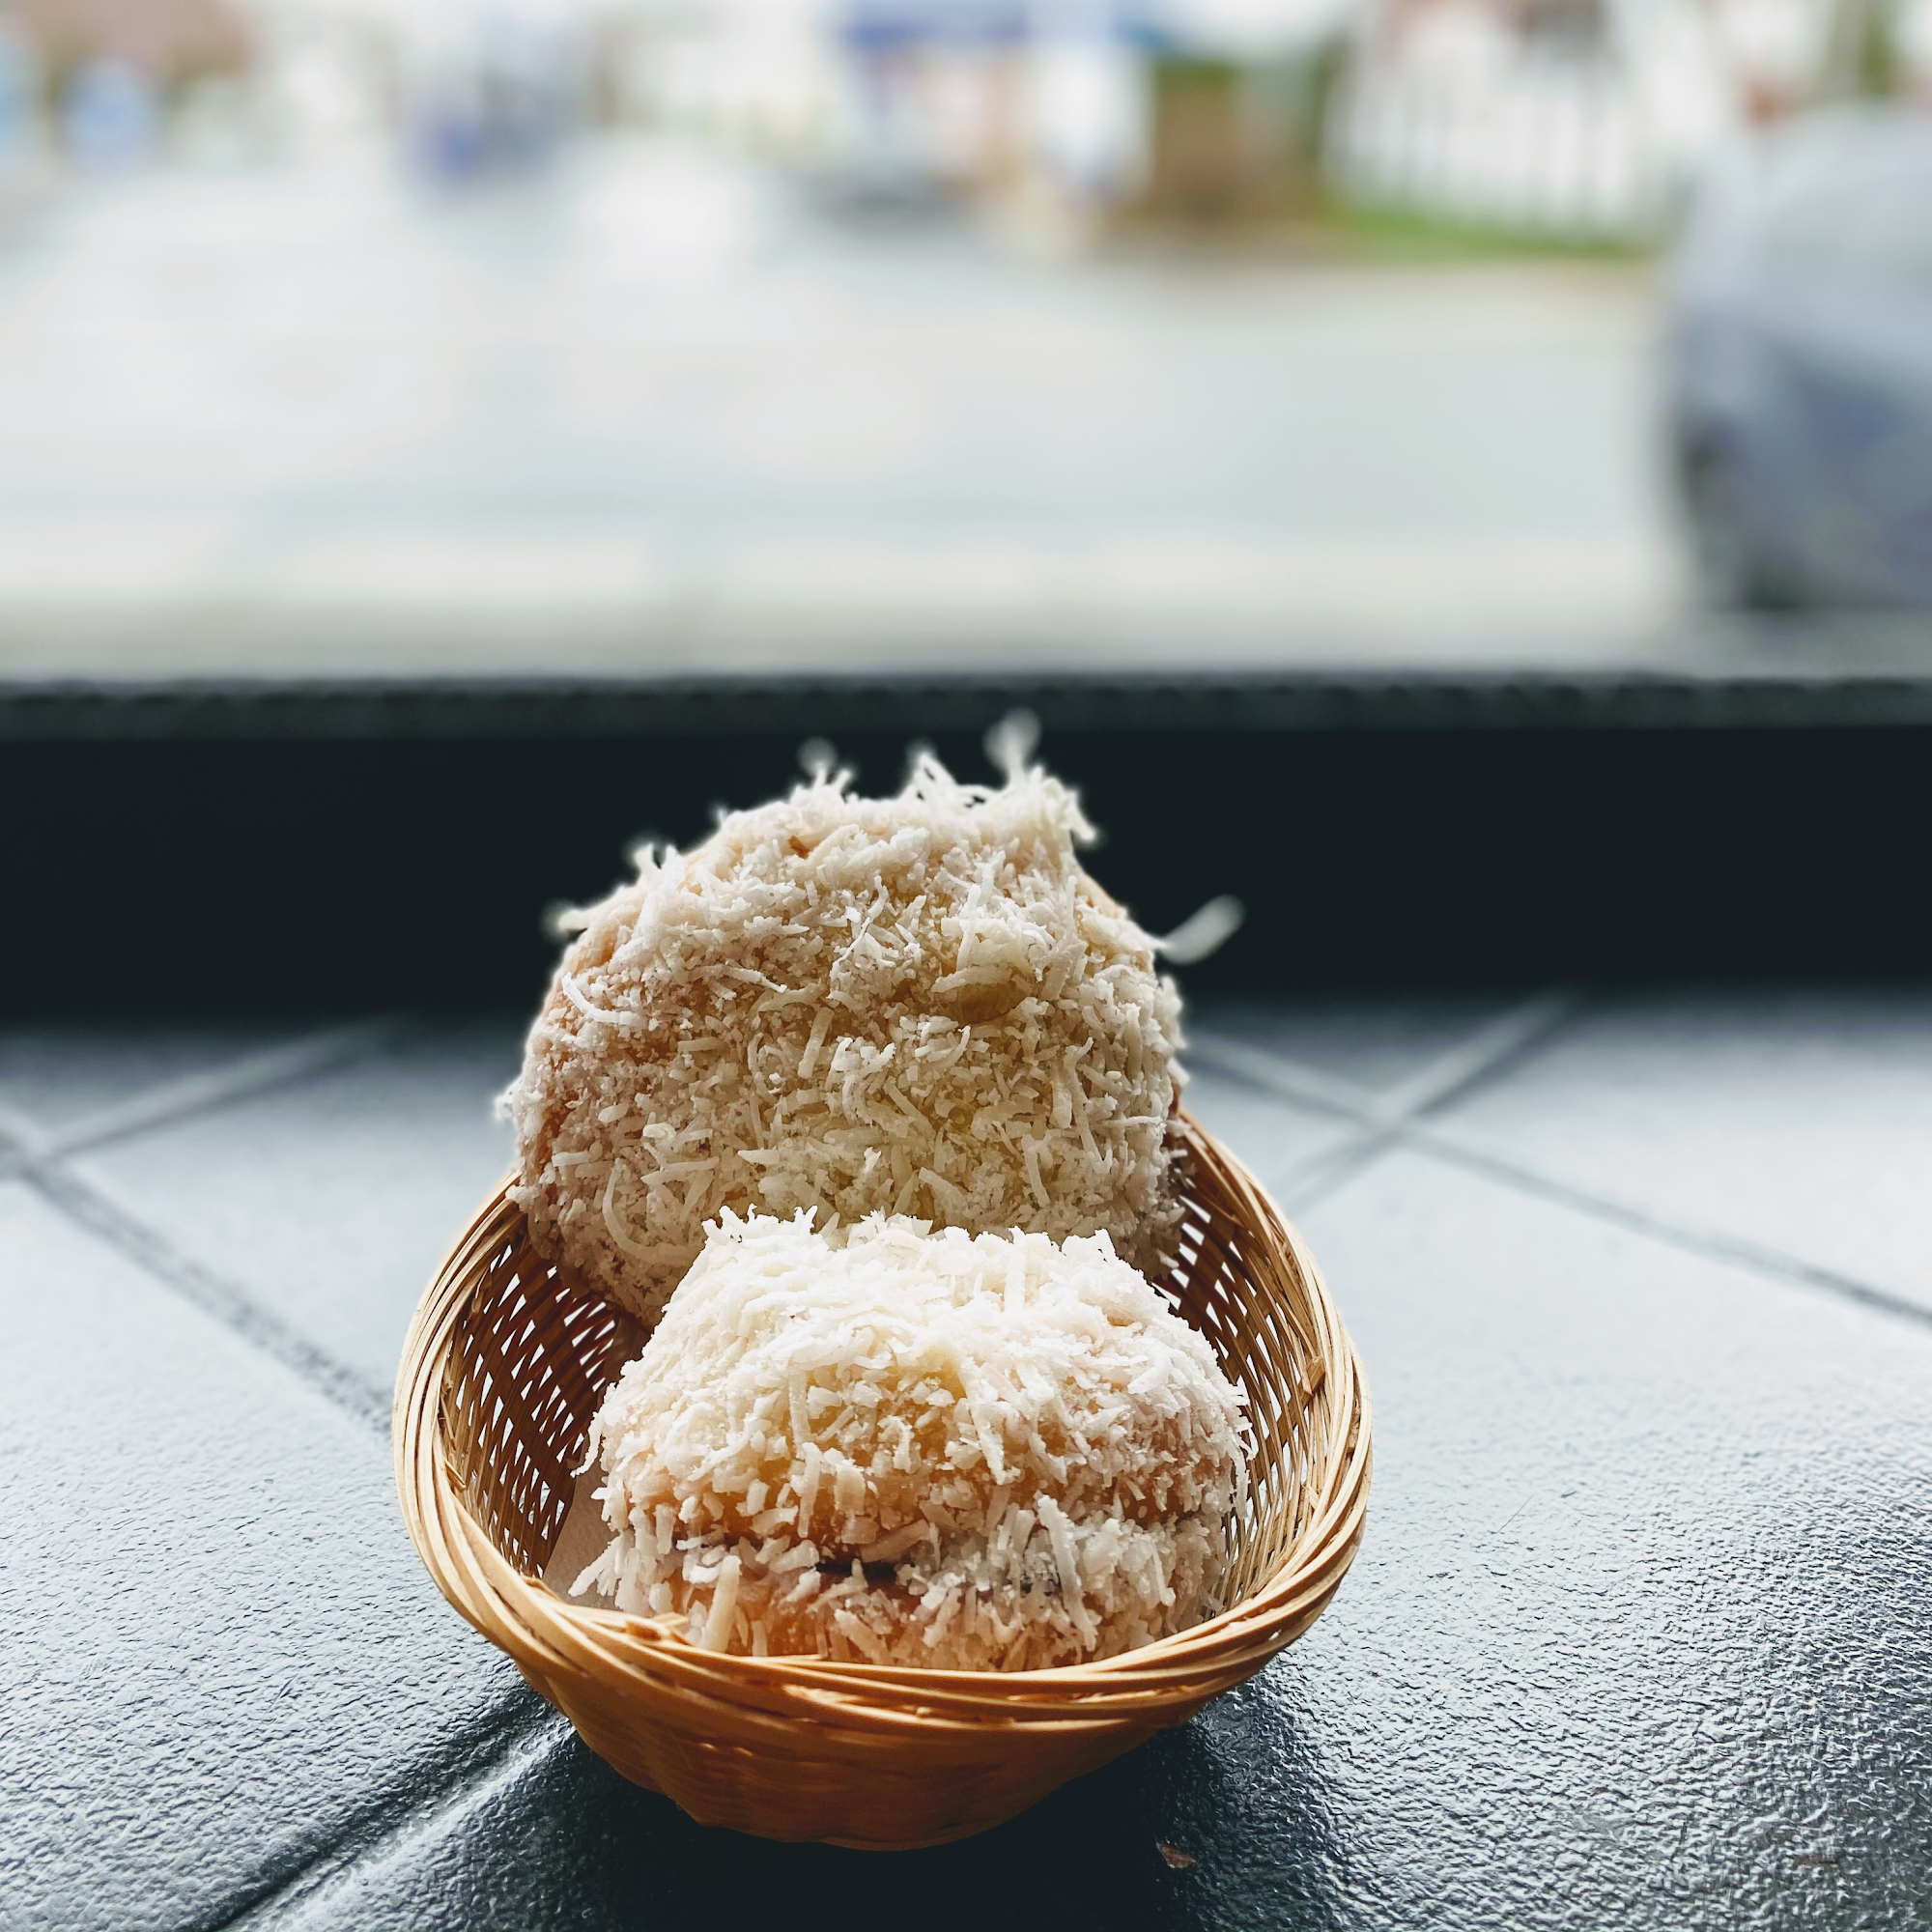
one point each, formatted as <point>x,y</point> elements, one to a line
<point>95,76</point>
<point>1574,119</point>
<point>1587,119</point>
<point>987,94</point>
<point>758,76</point>
<point>169,40</point>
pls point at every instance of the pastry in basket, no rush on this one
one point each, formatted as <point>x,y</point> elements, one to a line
<point>881,1444</point>
<point>917,1006</point>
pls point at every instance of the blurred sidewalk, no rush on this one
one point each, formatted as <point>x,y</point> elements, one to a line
<point>652,413</point>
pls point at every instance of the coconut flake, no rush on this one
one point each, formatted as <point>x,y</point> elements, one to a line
<point>828,977</point>
<point>1041,1453</point>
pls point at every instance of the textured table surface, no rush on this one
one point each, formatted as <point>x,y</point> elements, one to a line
<point>1642,1633</point>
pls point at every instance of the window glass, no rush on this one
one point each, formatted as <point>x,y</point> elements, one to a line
<point>1876,230</point>
<point>1889,239</point>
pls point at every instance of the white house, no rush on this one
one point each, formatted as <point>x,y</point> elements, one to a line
<point>1579,117</point>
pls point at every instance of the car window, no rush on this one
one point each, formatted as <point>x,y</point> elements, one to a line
<point>1874,231</point>
<point>1889,238</point>
<point>1804,232</point>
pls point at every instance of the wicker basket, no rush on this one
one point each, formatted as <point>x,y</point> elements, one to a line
<point>504,1365</point>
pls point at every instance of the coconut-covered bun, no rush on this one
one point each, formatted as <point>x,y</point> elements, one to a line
<point>924,1449</point>
<point>919,1005</point>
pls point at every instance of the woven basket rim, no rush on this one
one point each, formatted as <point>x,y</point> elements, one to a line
<point>1153,1685</point>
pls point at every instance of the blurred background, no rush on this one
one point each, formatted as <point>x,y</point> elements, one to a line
<point>634,337</point>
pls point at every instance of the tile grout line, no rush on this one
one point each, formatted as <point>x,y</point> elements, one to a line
<point>17,1136</point>
<point>1386,1122</point>
<point>1449,1073</point>
<point>37,1158</point>
<point>1498,1044</point>
<point>512,1730</point>
<point>496,1751</point>
<point>215,1295</point>
<point>1276,1073</point>
<point>1321,1177</point>
<point>1308,1185</point>
<point>241,1079</point>
<point>1464,1152</point>
<point>1512,1036</point>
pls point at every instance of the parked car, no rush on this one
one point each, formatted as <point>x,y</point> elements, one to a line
<point>1799,357</point>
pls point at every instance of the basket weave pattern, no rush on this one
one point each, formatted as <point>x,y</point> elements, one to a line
<point>504,1366</point>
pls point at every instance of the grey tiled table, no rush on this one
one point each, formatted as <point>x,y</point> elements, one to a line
<point>1642,1633</point>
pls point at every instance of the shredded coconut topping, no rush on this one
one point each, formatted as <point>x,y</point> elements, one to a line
<point>919,1005</point>
<point>960,1452</point>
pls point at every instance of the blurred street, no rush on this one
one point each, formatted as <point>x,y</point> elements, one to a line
<point>653,411</point>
